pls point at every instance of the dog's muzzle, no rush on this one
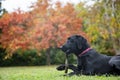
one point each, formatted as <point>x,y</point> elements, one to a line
<point>65,49</point>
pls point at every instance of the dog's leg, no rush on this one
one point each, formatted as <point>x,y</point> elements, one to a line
<point>76,70</point>
<point>70,66</point>
<point>88,70</point>
<point>61,67</point>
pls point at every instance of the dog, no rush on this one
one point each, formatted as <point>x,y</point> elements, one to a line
<point>90,62</point>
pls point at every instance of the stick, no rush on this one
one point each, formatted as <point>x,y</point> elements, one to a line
<point>66,64</point>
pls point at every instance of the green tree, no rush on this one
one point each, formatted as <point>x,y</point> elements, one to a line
<point>102,24</point>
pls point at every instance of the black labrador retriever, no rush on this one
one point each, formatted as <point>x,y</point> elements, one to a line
<point>90,62</point>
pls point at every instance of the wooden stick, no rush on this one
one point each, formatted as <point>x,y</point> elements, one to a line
<point>66,64</point>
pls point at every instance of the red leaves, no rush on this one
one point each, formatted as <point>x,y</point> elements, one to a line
<point>42,28</point>
<point>13,30</point>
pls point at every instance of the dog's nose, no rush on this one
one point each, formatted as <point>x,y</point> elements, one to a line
<point>60,47</point>
<point>63,48</point>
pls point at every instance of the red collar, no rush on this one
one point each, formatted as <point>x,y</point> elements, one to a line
<point>85,51</point>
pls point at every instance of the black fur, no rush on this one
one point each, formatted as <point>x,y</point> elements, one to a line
<point>90,63</point>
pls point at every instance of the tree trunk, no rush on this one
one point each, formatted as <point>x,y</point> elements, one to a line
<point>48,59</point>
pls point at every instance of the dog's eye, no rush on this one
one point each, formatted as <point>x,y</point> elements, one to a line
<point>69,38</point>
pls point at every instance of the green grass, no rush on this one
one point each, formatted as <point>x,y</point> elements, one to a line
<point>44,73</point>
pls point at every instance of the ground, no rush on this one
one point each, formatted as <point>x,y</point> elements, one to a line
<point>44,73</point>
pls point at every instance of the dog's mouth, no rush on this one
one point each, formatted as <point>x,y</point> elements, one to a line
<point>66,50</point>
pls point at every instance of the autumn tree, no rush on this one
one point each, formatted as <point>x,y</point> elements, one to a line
<point>46,26</point>
<point>13,31</point>
<point>53,24</point>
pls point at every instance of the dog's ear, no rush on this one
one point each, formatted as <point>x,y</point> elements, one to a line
<point>79,44</point>
<point>80,41</point>
<point>84,40</point>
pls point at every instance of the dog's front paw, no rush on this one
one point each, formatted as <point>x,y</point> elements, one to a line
<point>61,67</point>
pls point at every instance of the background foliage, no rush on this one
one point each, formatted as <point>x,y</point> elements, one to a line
<point>102,25</point>
<point>32,38</point>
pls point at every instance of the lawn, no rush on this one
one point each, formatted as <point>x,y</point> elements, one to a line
<point>44,73</point>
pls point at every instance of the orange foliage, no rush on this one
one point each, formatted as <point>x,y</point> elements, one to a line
<point>13,27</point>
<point>45,26</point>
<point>54,24</point>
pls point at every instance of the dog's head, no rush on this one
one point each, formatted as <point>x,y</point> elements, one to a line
<point>74,44</point>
